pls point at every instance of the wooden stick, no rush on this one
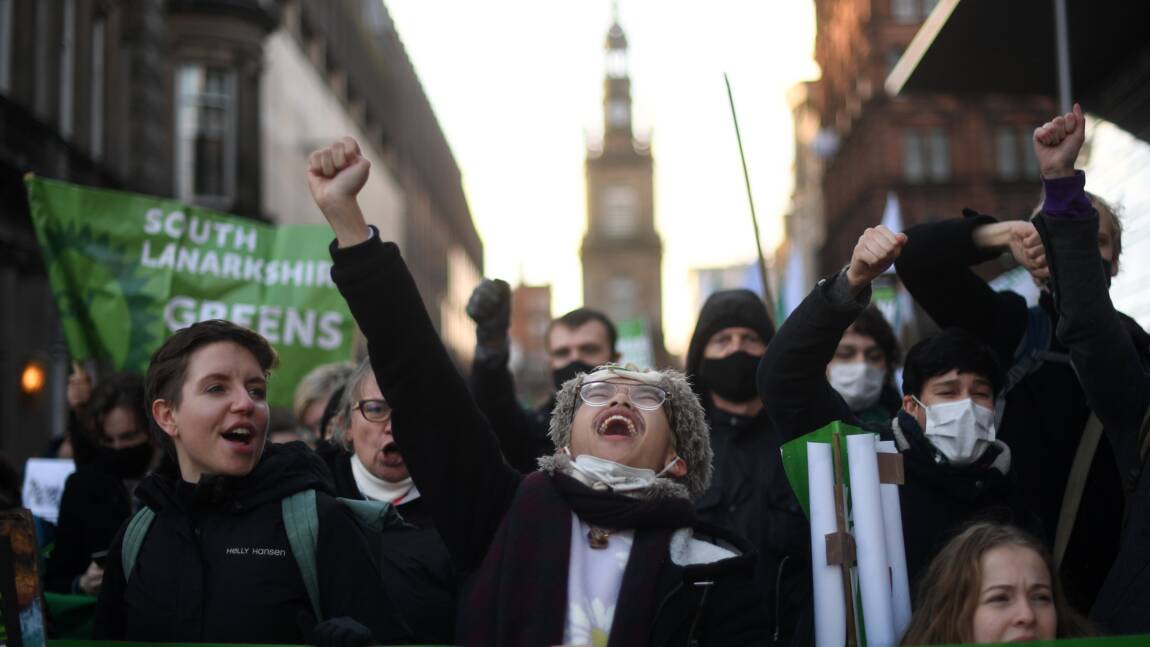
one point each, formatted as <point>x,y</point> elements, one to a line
<point>841,521</point>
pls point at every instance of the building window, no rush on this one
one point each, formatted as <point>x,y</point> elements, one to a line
<point>938,154</point>
<point>1013,155</point>
<point>620,211</point>
<point>892,56</point>
<point>926,155</point>
<point>908,11</point>
<point>96,94</point>
<point>205,135</point>
<point>67,67</point>
<point>5,46</point>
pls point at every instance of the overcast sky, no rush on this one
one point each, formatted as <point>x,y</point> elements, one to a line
<point>517,87</point>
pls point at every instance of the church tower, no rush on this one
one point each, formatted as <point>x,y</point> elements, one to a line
<point>622,254</point>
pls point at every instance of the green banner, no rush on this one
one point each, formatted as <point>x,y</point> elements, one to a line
<point>795,458</point>
<point>127,270</point>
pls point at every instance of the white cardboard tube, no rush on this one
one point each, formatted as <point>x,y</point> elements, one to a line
<point>895,548</point>
<point>870,541</point>
<point>827,582</point>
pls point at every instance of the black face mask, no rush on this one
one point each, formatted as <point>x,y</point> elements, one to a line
<point>732,377</point>
<point>126,463</point>
<point>561,375</point>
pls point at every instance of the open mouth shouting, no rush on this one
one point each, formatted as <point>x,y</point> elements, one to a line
<point>241,438</point>
<point>619,423</point>
<point>390,455</point>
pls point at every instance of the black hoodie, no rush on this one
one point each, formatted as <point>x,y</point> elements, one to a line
<point>216,565</point>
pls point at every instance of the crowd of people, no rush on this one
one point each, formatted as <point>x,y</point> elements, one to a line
<point>638,505</point>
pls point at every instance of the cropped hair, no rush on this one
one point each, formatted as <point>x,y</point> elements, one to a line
<point>168,369</point>
<point>950,587</point>
<point>581,316</point>
<point>951,349</point>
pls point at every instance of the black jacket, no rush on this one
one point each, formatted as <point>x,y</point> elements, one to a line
<point>454,457</point>
<point>414,564</point>
<point>522,433</point>
<point>1045,413</point>
<point>936,500</point>
<point>93,507</point>
<point>216,565</point>
<point>1110,361</point>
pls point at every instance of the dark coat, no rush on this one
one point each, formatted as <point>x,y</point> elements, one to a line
<point>1115,379</point>
<point>93,507</point>
<point>216,565</point>
<point>937,501</point>
<point>414,564</point>
<point>1045,413</point>
<point>522,433</point>
<point>749,493</point>
<point>455,458</point>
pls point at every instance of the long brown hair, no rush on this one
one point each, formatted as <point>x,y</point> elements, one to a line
<point>950,585</point>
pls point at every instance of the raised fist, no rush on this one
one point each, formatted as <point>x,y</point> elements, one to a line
<point>337,173</point>
<point>490,308</point>
<point>875,252</point>
<point>1057,142</point>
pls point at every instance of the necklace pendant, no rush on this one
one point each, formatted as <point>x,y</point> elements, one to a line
<point>598,538</point>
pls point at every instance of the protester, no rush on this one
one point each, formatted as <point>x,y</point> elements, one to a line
<point>956,471</point>
<point>114,452</point>
<point>366,463</point>
<point>576,343</point>
<point>1044,414</point>
<point>862,370</point>
<point>600,543</point>
<point>215,561</point>
<point>992,583</point>
<point>1108,355</point>
<point>749,493</point>
<point>312,395</point>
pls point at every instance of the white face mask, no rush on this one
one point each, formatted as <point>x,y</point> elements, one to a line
<point>600,473</point>
<point>860,383</point>
<point>961,431</point>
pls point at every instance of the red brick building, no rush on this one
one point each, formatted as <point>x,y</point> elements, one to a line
<point>937,152</point>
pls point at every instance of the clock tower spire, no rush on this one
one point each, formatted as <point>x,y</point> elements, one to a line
<point>622,254</point>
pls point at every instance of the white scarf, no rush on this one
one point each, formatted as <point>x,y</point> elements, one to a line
<point>377,489</point>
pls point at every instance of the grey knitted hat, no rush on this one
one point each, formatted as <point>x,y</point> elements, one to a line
<point>689,431</point>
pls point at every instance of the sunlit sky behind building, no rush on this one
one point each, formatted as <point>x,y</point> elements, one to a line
<point>517,87</point>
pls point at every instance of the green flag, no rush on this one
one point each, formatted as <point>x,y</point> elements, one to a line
<point>795,458</point>
<point>127,270</point>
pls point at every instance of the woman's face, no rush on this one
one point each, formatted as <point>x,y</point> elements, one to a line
<point>372,440</point>
<point>1015,598</point>
<point>122,428</point>
<point>220,425</point>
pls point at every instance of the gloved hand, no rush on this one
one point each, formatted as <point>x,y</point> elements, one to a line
<point>490,308</point>
<point>341,632</point>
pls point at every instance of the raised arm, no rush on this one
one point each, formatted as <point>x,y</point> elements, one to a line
<point>792,376</point>
<point>447,444</point>
<point>1109,365</point>
<point>491,381</point>
<point>935,268</point>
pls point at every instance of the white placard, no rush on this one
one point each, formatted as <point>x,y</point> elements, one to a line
<point>827,582</point>
<point>895,548</point>
<point>870,541</point>
<point>44,480</point>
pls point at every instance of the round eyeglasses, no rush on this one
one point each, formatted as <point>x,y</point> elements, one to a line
<point>374,410</point>
<point>643,396</point>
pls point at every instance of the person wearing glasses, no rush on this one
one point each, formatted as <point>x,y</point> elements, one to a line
<point>601,545</point>
<point>366,463</point>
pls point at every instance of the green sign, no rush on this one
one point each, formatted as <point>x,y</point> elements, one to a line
<point>128,270</point>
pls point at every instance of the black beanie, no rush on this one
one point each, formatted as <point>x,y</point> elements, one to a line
<point>726,309</point>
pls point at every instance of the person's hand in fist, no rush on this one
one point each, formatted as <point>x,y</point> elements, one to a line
<point>1057,142</point>
<point>336,174</point>
<point>490,308</point>
<point>875,252</point>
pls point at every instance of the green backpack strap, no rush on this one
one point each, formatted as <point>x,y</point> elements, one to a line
<point>376,516</point>
<point>301,521</point>
<point>134,538</point>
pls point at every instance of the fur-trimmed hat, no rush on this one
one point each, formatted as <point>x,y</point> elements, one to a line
<point>689,431</point>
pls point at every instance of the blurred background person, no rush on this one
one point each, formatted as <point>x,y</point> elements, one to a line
<point>863,368</point>
<point>114,451</point>
<point>312,395</point>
